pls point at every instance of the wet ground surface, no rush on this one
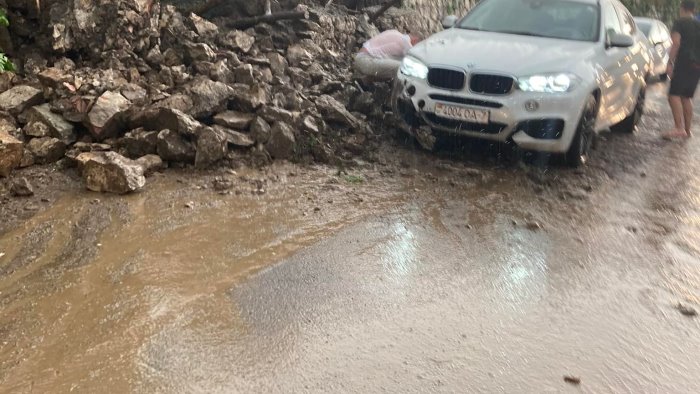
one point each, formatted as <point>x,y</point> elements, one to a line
<point>428,273</point>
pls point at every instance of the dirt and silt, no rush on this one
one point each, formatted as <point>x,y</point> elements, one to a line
<point>421,272</point>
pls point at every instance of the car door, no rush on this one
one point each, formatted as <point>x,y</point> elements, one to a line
<point>611,70</point>
<point>636,63</point>
<point>665,43</point>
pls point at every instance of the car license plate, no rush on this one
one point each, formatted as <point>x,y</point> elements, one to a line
<point>462,113</point>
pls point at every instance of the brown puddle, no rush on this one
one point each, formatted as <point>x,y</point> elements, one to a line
<point>86,282</point>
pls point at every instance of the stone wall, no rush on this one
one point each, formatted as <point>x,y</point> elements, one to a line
<point>424,16</point>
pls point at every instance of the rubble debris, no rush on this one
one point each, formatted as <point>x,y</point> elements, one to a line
<point>333,110</point>
<point>234,120</point>
<point>111,172</point>
<point>21,188</point>
<point>211,147</point>
<point>686,310</point>
<point>47,150</point>
<point>19,98</point>
<point>282,143</point>
<point>106,116</point>
<point>36,130</point>
<point>172,147</point>
<point>58,127</point>
<point>150,164</point>
<point>235,138</point>
<point>260,130</point>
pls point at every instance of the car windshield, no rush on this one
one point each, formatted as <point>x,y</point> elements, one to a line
<point>569,20</point>
<point>645,27</point>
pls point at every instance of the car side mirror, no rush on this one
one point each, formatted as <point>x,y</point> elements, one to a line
<point>449,21</point>
<point>618,40</point>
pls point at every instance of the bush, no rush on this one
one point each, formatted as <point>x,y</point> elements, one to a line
<point>5,63</point>
<point>664,10</point>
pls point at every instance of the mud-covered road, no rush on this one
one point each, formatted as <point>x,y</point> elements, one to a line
<point>426,273</point>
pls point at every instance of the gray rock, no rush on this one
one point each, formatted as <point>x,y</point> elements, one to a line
<point>282,143</point>
<point>106,116</point>
<point>310,124</point>
<point>234,137</point>
<point>211,147</point>
<point>234,120</point>
<point>260,130</point>
<point>274,114</point>
<point>11,152</point>
<point>181,102</point>
<point>150,164</point>
<point>111,172</point>
<point>334,111</point>
<point>22,188</point>
<point>172,147</point>
<point>244,74</point>
<point>199,52</point>
<point>134,93</point>
<point>298,56</point>
<point>27,159</point>
<point>202,26</point>
<point>238,40</point>
<point>163,118</point>
<point>58,126</point>
<point>171,57</point>
<point>47,149</point>
<point>208,96</point>
<point>278,64</point>
<point>19,98</point>
<point>138,143</point>
<point>36,130</point>
<point>249,99</point>
<point>53,77</point>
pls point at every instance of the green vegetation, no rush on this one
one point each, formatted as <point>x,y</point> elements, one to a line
<point>5,63</point>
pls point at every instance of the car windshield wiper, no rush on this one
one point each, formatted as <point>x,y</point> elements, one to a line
<point>522,33</point>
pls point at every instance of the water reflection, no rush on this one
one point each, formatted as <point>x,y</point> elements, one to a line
<point>398,255</point>
<point>524,270</point>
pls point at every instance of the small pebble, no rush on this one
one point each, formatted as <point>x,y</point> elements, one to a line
<point>575,380</point>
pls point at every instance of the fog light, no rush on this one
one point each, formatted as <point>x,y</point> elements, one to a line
<point>421,104</point>
<point>411,90</point>
<point>532,105</point>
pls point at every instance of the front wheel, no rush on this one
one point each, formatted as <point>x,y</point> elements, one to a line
<point>585,133</point>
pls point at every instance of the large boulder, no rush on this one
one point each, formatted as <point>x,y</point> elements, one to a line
<point>234,119</point>
<point>11,152</point>
<point>58,126</point>
<point>111,172</point>
<point>235,138</point>
<point>164,118</point>
<point>106,117</point>
<point>211,147</point>
<point>208,96</point>
<point>47,150</point>
<point>260,130</point>
<point>19,98</point>
<point>282,143</point>
<point>172,147</point>
<point>334,111</point>
<point>138,142</point>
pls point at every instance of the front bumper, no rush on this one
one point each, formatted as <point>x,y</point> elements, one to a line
<point>557,115</point>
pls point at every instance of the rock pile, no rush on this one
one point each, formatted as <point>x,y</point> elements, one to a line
<point>126,81</point>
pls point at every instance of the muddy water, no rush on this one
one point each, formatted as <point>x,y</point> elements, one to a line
<point>420,275</point>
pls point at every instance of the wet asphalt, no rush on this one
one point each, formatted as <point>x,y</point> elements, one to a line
<point>433,273</point>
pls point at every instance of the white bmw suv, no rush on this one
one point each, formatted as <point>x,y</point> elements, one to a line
<point>545,74</point>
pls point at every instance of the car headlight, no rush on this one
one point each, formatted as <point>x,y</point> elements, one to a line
<point>414,68</point>
<point>548,83</point>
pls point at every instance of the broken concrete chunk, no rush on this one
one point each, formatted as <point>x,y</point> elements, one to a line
<point>282,142</point>
<point>238,40</point>
<point>208,96</point>
<point>11,152</point>
<point>202,26</point>
<point>47,150</point>
<point>138,143</point>
<point>298,56</point>
<point>278,64</point>
<point>199,52</point>
<point>171,146</point>
<point>58,126</point>
<point>235,120</point>
<point>249,99</point>
<point>19,98</point>
<point>106,117</point>
<point>244,74</point>
<point>274,114</point>
<point>111,172</point>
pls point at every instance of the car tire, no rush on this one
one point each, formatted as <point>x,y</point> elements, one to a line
<point>579,150</point>
<point>629,124</point>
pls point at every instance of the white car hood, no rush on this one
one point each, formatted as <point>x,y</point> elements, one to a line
<point>502,53</point>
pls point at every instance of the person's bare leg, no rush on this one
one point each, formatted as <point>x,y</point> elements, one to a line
<point>688,114</point>
<point>677,110</point>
